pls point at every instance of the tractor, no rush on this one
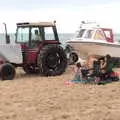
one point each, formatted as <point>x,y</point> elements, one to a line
<point>42,54</point>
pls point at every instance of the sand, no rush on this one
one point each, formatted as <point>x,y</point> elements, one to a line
<point>48,98</point>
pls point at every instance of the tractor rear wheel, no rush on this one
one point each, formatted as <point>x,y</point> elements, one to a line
<point>7,71</point>
<point>52,60</point>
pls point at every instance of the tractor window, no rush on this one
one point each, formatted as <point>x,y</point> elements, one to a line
<point>35,34</point>
<point>23,34</point>
<point>49,34</point>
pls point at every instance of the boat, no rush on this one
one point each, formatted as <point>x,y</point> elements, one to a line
<point>91,39</point>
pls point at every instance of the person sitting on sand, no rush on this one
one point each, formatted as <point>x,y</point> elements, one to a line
<point>97,71</point>
<point>107,65</point>
<point>90,62</point>
<point>94,69</point>
<point>80,73</point>
<point>106,70</point>
<point>101,68</point>
<point>85,71</point>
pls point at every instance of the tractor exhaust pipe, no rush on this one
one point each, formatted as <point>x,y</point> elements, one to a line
<point>6,35</point>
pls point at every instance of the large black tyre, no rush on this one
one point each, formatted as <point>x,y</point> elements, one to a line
<point>7,71</point>
<point>52,60</point>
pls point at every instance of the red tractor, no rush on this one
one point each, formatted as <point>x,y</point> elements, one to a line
<point>37,49</point>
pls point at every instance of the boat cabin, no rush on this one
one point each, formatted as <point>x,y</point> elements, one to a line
<point>93,32</point>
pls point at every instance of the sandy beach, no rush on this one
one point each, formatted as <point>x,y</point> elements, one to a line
<point>48,98</point>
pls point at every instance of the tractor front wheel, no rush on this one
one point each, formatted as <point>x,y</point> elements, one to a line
<point>7,71</point>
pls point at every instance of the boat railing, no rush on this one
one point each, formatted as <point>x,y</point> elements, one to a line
<point>91,24</point>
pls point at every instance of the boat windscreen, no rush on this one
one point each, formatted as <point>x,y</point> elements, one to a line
<point>80,33</point>
<point>89,34</point>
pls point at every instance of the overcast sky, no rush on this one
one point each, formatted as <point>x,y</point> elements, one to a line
<point>27,4</point>
<point>67,13</point>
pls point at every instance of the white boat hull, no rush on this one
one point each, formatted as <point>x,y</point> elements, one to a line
<point>86,48</point>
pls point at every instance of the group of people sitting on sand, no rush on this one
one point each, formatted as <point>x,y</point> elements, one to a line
<point>98,71</point>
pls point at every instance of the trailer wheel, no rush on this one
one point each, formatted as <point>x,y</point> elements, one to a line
<point>7,71</point>
<point>73,58</point>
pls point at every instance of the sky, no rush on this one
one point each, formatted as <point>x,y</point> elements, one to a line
<point>67,13</point>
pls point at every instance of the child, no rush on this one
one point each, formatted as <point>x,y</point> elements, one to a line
<point>80,73</point>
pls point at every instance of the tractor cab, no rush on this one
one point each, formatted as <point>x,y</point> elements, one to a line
<point>33,34</point>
